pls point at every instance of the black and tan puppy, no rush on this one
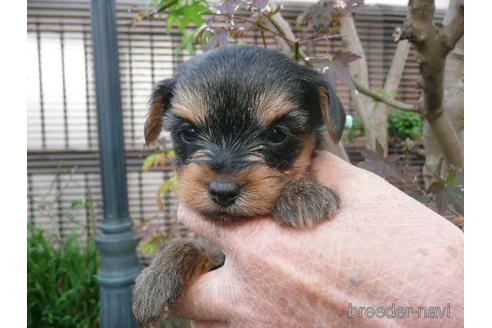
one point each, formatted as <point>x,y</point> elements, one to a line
<point>244,124</point>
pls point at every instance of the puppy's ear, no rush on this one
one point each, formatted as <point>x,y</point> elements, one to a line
<point>332,111</point>
<point>159,102</point>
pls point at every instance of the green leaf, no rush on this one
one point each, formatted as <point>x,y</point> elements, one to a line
<point>170,154</point>
<point>405,125</point>
<point>192,14</point>
<point>164,189</point>
<point>188,42</point>
<point>148,248</point>
<point>171,19</point>
<point>149,161</point>
<point>387,93</point>
<point>77,203</point>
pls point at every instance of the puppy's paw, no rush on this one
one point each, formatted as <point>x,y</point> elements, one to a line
<point>161,284</point>
<point>305,202</point>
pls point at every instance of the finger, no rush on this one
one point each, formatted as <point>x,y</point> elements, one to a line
<point>202,226</point>
<point>344,177</point>
<point>226,234</point>
<point>330,168</point>
<point>205,299</point>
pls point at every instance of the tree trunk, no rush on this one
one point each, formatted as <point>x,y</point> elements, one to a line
<point>359,72</point>
<point>381,110</point>
<point>433,44</point>
<point>435,167</point>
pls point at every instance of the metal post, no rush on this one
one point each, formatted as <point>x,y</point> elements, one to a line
<point>117,241</point>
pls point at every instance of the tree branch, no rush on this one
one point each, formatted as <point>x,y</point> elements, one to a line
<point>287,40</point>
<point>359,72</point>
<point>454,23</point>
<point>351,42</point>
<point>433,43</point>
<point>151,14</point>
<point>380,110</point>
<point>387,100</point>
<point>398,62</point>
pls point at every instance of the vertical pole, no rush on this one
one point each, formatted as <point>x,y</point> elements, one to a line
<point>117,241</point>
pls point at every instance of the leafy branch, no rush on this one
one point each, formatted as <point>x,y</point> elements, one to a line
<point>387,100</point>
<point>217,23</point>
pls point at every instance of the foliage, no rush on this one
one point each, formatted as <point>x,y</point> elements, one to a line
<point>47,206</point>
<point>183,14</point>
<point>216,23</point>
<point>153,234</point>
<point>164,159</point>
<point>449,193</point>
<point>165,188</point>
<point>376,162</point>
<point>152,238</point>
<point>445,196</point>
<point>62,289</point>
<point>405,125</point>
<point>324,16</point>
<point>402,126</point>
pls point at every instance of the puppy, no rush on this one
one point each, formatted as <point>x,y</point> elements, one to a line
<point>245,123</point>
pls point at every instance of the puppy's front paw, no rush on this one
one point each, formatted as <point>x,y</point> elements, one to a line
<point>305,202</point>
<point>161,284</point>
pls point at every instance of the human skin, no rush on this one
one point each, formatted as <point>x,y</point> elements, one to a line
<point>382,247</point>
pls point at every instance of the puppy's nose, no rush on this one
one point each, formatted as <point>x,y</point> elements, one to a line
<point>224,193</point>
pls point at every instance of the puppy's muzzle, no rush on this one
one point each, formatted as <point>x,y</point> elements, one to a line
<point>224,193</point>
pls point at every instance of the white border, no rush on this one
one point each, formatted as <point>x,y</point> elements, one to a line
<point>13,165</point>
<point>478,163</point>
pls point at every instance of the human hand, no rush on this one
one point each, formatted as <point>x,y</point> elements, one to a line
<point>382,247</point>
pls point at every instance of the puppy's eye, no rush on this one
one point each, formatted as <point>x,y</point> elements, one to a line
<point>188,134</point>
<point>276,135</point>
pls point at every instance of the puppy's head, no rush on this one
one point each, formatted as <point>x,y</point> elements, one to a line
<point>243,122</point>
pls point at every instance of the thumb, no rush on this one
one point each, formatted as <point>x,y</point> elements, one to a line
<point>207,228</point>
<point>205,299</point>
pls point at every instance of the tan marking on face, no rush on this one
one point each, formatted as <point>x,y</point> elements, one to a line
<point>260,184</point>
<point>272,105</point>
<point>193,187</point>
<point>190,105</point>
<point>260,189</point>
<point>302,164</point>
